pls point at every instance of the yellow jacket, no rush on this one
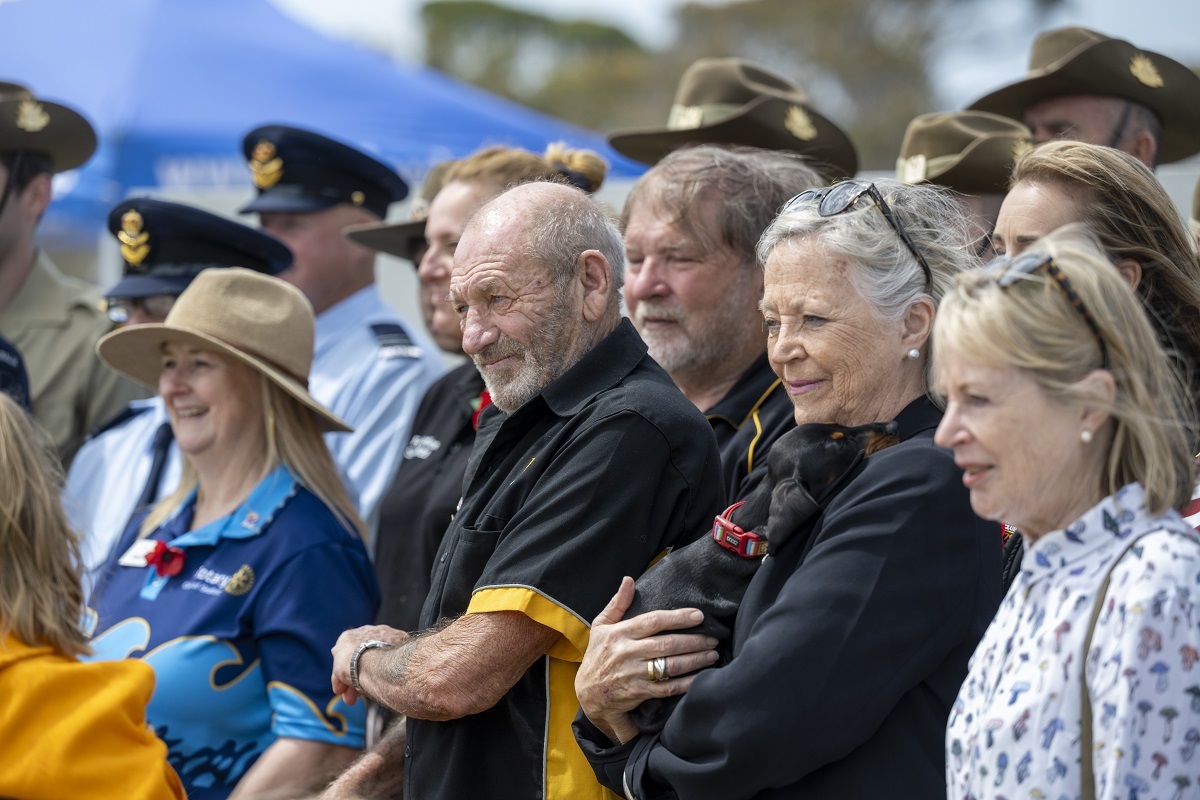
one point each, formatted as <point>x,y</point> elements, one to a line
<point>69,729</point>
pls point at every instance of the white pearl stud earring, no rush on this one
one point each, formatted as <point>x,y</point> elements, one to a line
<point>1085,436</point>
<point>914,354</point>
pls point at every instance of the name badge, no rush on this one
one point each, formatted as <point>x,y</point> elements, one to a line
<point>135,556</point>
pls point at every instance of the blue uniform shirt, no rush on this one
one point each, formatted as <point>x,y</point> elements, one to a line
<point>371,369</point>
<point>240,638</point>
<point>108,474</point>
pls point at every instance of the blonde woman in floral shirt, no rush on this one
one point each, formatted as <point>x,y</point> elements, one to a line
<point>1065,415</point>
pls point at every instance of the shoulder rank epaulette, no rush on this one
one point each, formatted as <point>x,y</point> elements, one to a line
<point>394,342</point>
<point>122,416</point>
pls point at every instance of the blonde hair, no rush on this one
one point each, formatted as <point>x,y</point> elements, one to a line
<point>1033,326</point>
<point>41,600</point>
<point>508,166</point>
<point>293,439</point>
<point>1128,210</point>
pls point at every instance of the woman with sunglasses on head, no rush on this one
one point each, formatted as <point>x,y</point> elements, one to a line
<point>1070,422</point>
<point>853,637</point>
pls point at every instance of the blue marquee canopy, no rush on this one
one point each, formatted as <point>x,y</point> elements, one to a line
<point>172,85</point>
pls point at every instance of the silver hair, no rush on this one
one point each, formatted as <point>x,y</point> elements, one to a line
<point>750,184</point>
<point>888,276</point>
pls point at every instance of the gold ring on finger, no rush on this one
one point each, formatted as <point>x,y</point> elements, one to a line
<point>660,669</point>
<point>650,674</point>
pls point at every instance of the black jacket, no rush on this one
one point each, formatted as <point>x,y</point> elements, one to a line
<point>849,650</point>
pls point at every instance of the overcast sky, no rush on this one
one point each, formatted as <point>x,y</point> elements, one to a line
<point>992,53</point>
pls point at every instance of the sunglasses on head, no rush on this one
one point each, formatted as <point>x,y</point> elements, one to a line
<point>842,197</point>
<point>157,305</point>
<point>1010,270</point>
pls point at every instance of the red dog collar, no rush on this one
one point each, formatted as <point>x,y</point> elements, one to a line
<point>746,544</point>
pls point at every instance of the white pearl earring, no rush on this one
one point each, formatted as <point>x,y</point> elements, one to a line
<point>914,354</point>
<point>1085,436</point>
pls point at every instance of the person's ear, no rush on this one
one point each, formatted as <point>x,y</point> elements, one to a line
<point>918,324</point>
<point>38,194</point>
<point>1100,389</point>
<point>595,282</point>
<point>1142,147</point>
<point>1131,272</point>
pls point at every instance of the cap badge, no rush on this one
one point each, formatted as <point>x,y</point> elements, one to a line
<point>799,124</point>
<point>914,168</point>
<point>1020,148</point>
<point>31,117</point>
<point>1142,68</point>
<point>265,167</point>
<point>357,198</point>
<point>135,243</point>
<point>688,117</point>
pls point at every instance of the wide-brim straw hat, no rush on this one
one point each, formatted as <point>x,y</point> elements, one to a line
<point>400,239</point>
<point>259,320</point>
<point>730,101</point>
<point>1073,61</point>
<point>28,122</point>
<point>971,152</point>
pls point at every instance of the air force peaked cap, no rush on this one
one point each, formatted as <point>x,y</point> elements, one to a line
<point>296,170</point>
<point>165,245</point>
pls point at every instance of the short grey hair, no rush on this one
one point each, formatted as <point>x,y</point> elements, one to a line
<point>559,232</point>
<point>886,273</point>
<point>751,184</point>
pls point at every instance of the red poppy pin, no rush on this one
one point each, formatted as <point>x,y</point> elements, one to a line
<point>485,400</point>
<point>166,560</point>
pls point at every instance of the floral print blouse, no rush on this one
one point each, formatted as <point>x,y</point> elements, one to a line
<point>1014,731</point>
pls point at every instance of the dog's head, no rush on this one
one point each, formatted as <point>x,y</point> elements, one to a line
<point>806,461</point>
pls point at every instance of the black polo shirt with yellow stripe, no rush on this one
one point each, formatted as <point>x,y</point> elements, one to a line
<point>585,483</point>
<point>746,422</point>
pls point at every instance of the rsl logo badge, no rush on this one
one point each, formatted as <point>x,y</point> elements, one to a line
<point>241,582</point>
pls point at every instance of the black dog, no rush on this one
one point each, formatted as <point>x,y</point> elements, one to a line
<point>712,573</point>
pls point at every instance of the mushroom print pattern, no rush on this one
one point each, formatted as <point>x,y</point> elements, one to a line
<point>1142,666</point>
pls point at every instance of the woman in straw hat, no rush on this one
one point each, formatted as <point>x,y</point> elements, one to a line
<point>66,724</point>
<point>1068,421</point>
<point>234,586</point>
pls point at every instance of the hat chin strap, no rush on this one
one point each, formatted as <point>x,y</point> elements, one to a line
<point>11,181</point>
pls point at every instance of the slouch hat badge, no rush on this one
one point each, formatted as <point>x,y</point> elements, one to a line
<point>31,116</point>
<point>265,167</point>
<point>135,243</point>
<point>799,124</point>
<point>1142,68</point>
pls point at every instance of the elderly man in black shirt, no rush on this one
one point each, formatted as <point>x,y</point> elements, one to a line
<point>588,465</point>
